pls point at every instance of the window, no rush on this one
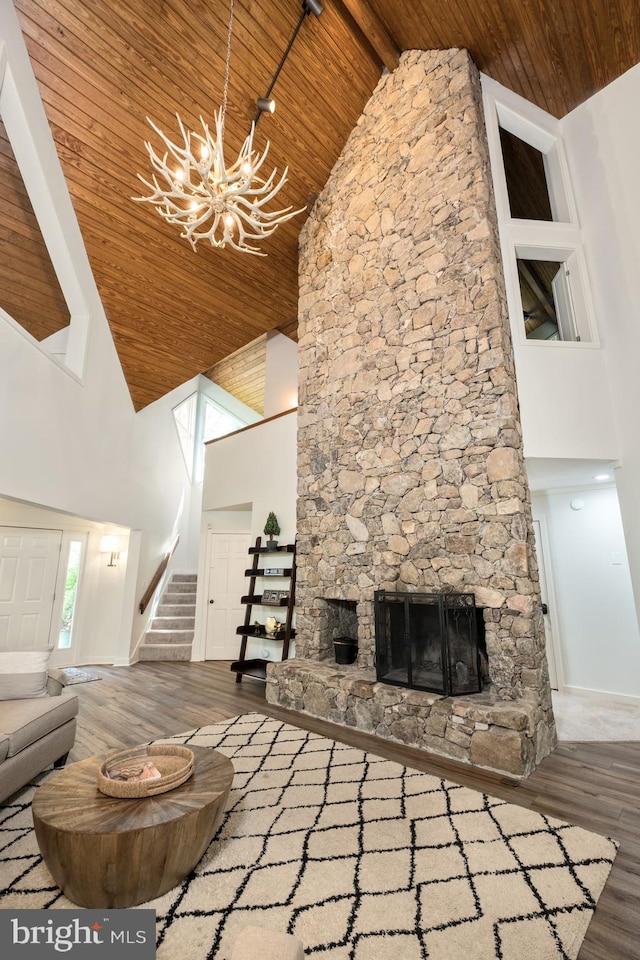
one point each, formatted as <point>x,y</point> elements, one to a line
<point>526,178</point>
<point>58,324</point>
<point>218,421</point>
<point>545,271</point>
<point>547,300</point>
<point>70,594</point>
<point>537,278</point>
<point>184,416</point>
<point>199,419</point>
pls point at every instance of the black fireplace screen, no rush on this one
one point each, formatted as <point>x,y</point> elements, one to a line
<point>428,641</point>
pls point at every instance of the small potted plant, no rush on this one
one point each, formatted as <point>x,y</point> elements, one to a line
<point>272,529</point>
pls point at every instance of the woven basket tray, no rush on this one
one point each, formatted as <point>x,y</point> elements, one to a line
<point>174,763</point>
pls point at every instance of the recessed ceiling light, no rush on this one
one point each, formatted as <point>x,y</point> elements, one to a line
<point>602,476</point>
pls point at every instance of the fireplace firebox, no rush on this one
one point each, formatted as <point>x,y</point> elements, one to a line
<point>428,641</point>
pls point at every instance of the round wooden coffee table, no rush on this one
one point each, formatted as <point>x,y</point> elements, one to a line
<point>110,852</point>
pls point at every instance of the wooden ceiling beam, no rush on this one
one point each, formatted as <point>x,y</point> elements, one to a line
<point>375,31</point>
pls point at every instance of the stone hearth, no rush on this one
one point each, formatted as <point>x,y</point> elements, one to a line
<point>410,464</point>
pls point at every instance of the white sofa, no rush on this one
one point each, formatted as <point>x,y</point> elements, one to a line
<point>35,733</point>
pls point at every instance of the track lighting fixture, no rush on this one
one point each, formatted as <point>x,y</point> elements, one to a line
<point>312,6</point>
<point>266,105</point>
<point>308,6</point>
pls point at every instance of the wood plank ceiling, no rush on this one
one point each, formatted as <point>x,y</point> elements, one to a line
<point>102,67</point>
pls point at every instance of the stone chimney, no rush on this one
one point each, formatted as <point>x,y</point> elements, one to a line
<point>410,463</point>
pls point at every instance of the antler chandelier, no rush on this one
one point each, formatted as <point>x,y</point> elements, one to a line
<point>207,199</point>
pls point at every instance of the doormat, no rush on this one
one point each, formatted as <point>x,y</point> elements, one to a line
<point>70,675</point>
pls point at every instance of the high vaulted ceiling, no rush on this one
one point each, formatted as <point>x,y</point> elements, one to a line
<point>104,65</point>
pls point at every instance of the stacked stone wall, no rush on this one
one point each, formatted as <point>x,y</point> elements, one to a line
<point>493,734</point>
<point>410,465</point>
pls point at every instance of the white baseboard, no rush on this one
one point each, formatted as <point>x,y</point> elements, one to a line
<point>601,695</point>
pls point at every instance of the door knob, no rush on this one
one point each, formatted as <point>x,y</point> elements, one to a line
<point>545,608</point>
<point>211,601</point>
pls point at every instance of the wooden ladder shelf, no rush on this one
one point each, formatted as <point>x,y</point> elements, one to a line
<point>266,598</point>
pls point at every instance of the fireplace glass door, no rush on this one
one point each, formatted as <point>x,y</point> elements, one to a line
<point>428,641</point>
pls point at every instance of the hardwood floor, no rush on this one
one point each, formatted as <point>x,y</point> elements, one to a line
<point>596,785</point>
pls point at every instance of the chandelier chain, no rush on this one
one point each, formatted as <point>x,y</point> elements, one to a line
<point>227,65</point>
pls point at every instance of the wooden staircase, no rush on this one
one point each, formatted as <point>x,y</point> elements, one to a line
<point>170,636</point>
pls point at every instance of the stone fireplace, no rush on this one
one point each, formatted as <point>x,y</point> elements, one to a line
<point>410,464</point>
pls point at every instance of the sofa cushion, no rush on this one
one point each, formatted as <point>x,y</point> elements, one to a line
<point>4,747</point>
<point>25,721</point>
<point>23,673</point>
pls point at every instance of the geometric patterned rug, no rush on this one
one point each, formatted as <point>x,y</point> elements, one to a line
<point>357,856</point>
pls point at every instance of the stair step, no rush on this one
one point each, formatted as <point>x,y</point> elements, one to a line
<point>170,597</point>
<point>164,651</point>
<point>169,636</point>
<point>176,610</point>
<point>181,586</point>
<point>173,623</point>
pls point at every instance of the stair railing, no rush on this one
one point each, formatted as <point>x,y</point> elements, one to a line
<point>157,577</point>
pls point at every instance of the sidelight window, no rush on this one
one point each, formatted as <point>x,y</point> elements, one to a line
<point>70,596</point>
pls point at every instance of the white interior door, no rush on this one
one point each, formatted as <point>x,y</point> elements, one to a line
<point>552,656</point>
<point>28,569</point>
<point>228,560</point>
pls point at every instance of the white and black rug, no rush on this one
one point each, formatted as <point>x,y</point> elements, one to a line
<point>359,857</point>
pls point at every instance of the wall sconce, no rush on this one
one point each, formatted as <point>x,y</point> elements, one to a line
<point>112,545</point>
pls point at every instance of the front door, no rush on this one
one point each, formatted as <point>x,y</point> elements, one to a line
<point>228,560</point>
<point>28,569</point>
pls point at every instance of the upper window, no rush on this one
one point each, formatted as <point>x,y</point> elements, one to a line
<point>545,270</point>
<point>526,178</point>
<point>29,288</point>
<point>547,301</point>
<point>41,293</point>
<point>218,421</point>
<point>199,419</point>
<point>184,416</point>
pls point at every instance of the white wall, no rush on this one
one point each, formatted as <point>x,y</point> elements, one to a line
<point>252,473</point>
<point>581,400</point>
<point>167,504</point>
<point>602,139</point>
<point>281,374</point>
<point>598,631</point>
<point>71,441</point>
<point>159,498</point>
<point>563,389</point>
<point>64,441</point>
<point>257,466</point>
<point>565,402</point>
<point>157,503</point>
<point>96,625</point>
